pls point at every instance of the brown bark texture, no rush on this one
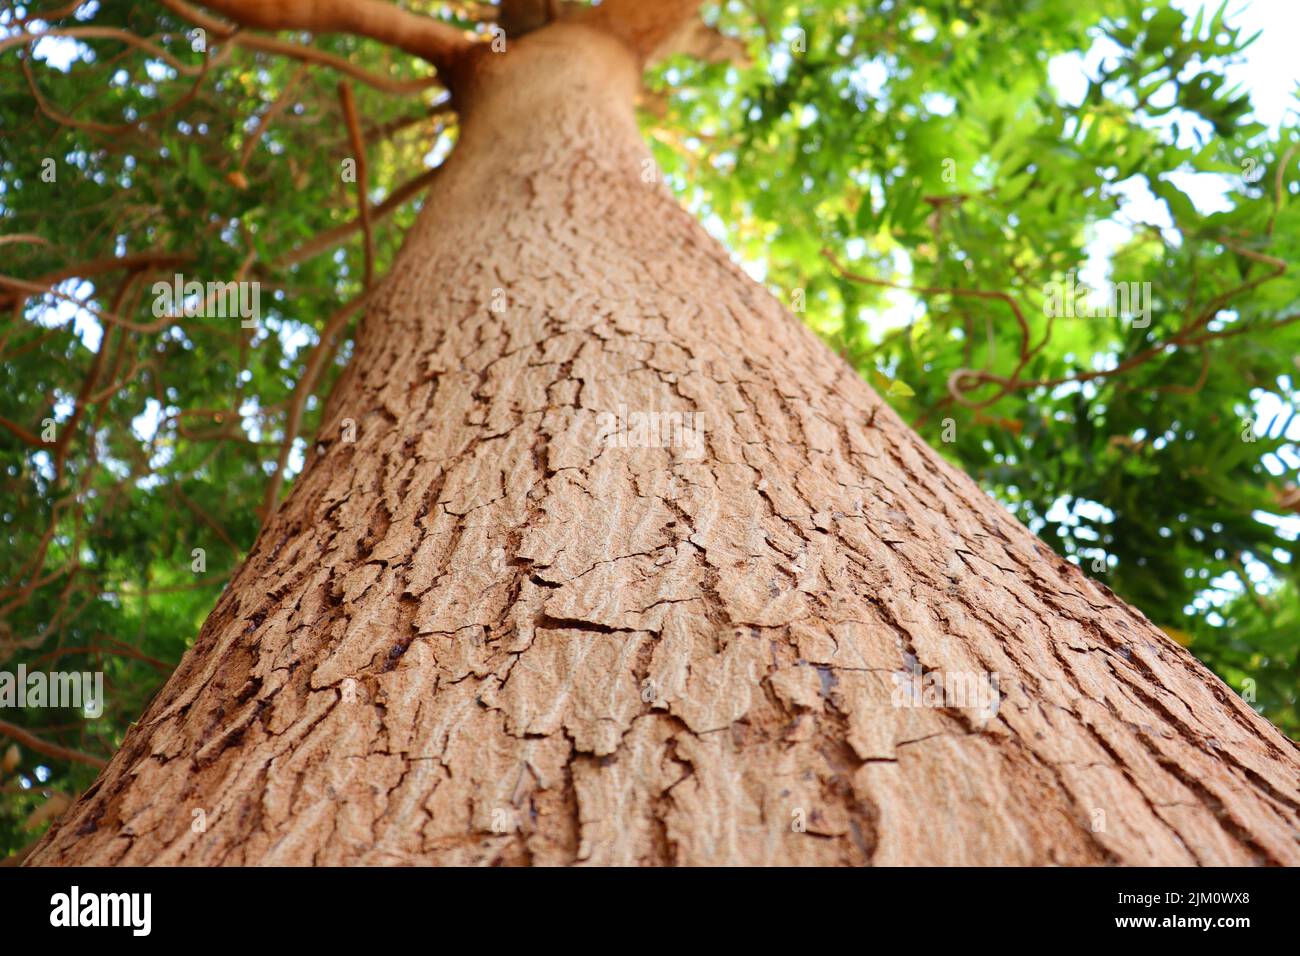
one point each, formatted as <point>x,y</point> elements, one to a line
<point>482,629</point>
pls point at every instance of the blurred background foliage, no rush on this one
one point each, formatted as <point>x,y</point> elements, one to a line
<point>915,179</point>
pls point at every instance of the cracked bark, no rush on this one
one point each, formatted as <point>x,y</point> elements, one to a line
<point>478,635</point>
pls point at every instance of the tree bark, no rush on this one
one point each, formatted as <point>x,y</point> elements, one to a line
<point>484,631</point>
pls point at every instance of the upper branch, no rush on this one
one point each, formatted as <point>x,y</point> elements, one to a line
<point>439,43</point>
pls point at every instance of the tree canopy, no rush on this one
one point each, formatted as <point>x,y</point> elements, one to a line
<point>993,209</point>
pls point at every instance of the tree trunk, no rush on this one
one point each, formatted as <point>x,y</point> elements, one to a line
<point>496,627</point>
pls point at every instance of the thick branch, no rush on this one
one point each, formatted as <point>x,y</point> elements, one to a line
<point>308,54</point>
<point>437,42</point>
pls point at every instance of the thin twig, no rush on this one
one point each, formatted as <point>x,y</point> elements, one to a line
<point>32,742</point>
<point>359,158</point>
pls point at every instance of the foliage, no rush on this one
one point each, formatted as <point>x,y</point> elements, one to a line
<point>861,148</point>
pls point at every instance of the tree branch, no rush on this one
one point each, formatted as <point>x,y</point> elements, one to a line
<point>35,743</point>
<point>264,121</point>
<point>307,54</point>
<point>359,158</point>
<point>93,267</point>
<point>23,434</point>
<point>332,237</point>
<point>315,364</point>
<point>439,43</point>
